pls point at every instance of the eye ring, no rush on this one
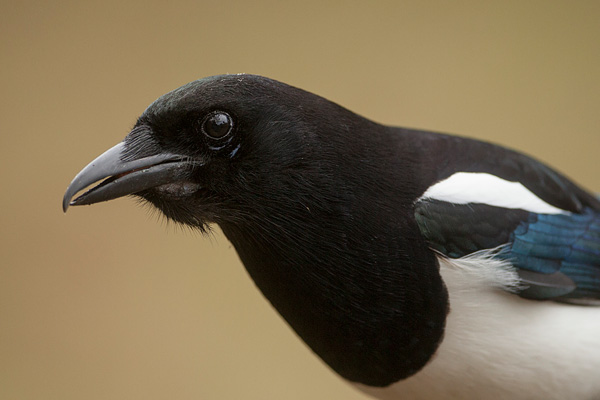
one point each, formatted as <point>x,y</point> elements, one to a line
<point>217,125</point>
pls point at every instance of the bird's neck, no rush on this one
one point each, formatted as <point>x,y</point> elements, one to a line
<point>357,296</point>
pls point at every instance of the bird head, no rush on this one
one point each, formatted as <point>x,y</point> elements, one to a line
<point>216,149</point>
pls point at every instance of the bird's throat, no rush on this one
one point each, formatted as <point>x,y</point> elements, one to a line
<point>374,317</point>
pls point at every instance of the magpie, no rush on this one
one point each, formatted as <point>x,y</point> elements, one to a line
<point>417,265</point>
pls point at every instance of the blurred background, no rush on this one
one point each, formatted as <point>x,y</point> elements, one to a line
<point>111,302</point>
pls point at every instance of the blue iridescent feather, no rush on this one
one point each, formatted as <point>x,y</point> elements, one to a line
<point>568,244</point>
<point>556,255</point>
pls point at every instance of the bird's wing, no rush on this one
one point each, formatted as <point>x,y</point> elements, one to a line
<point>552,236</point>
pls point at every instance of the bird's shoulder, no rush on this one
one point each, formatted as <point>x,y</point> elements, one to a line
<point>483,165</point>
<point>478,196</point>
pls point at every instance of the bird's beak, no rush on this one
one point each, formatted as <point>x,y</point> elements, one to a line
<point>124,177</point>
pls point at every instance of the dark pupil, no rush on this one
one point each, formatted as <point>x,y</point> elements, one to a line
<point>217,125</point>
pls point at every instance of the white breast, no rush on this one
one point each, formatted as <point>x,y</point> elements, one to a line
<point>500,346</point>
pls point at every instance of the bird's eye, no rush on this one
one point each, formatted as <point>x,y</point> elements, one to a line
<point>217,125</point>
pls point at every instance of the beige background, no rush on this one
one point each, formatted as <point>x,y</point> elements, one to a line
<point>106,303</point>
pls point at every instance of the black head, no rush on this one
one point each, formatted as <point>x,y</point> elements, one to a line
<point>221,148</point>
<point>204,151</point>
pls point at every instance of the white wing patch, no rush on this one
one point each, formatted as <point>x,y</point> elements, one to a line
<point>483,188</point>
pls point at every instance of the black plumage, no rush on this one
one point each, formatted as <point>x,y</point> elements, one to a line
<point>324,209</point>
<point>460,229</point>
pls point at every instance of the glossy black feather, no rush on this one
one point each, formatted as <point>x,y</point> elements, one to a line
<point>457,230</point>
<point>308,194</point>
<point>321,206</point>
